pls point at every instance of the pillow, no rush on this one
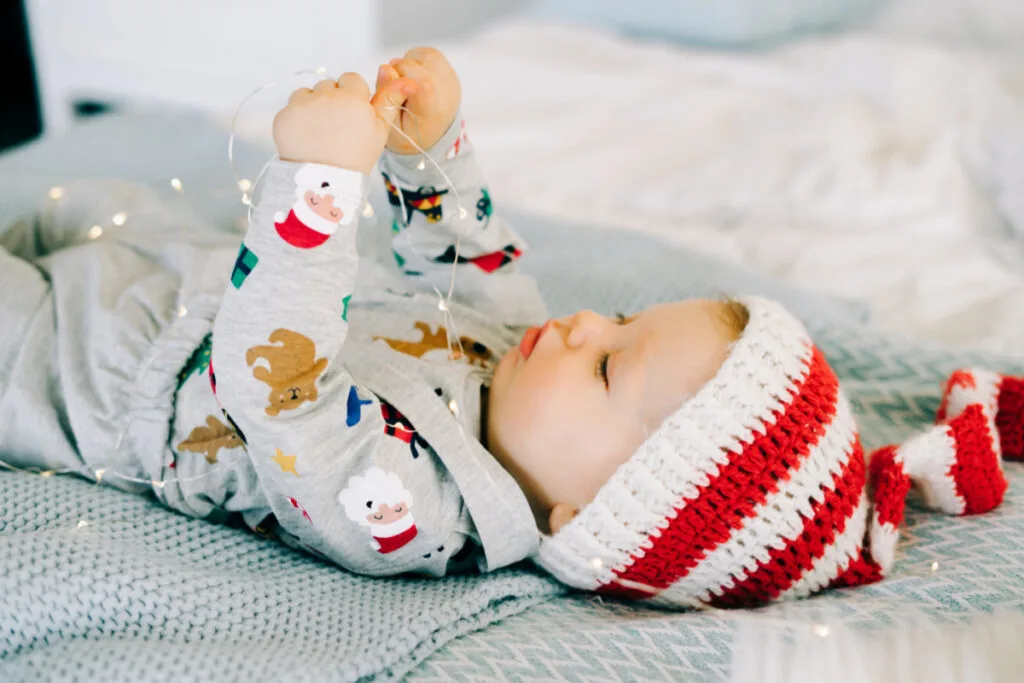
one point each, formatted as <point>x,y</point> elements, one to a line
<point>725,23</point>
<point>616,271</point>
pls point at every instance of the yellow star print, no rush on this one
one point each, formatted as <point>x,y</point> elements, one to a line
<point>285,462</point>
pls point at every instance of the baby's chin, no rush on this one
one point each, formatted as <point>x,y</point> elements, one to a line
<point>505,372</point>
<point>502,369</point>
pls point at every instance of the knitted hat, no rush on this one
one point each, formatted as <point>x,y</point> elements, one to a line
<point>756,488</point>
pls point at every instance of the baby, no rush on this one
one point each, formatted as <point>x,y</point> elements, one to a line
<point>695,452</point>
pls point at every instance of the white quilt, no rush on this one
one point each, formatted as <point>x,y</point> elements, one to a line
<point>886,170</point>
<point>873,165</point>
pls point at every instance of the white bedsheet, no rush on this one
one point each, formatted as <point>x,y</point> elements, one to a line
<point>890,171</point>
<point>875,166</point>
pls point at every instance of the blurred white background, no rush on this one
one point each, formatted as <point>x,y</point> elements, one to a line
<point>882,161</point>
<point>407,22</point>
<point>209,53</point>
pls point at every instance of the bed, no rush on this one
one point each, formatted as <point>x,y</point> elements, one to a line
<point>878,164</point>
<point>878,169</point>
<point>99,585</point>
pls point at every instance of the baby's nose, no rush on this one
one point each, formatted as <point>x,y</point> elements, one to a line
<point>582,327</point>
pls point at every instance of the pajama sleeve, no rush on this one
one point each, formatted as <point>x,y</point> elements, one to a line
<point>437,225</point>
<point>315,438</point>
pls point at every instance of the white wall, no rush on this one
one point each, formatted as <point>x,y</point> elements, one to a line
<point>207,53</point>
<point>417,22</point>
<point>211,53</point>
<point>993,24</point>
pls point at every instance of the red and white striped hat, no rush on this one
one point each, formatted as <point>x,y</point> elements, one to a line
<point>756,489</point>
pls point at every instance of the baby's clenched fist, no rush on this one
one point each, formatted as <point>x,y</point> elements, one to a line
<point>432,108</point>
<point>338,123</point>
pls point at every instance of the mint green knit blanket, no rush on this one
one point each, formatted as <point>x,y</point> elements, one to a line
<point>99,585</point>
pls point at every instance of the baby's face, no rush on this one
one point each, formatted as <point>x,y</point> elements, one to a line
<point>579,395</point>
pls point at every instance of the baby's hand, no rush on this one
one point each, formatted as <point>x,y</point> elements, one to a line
<point>433,107</point>
<point>337,123</point>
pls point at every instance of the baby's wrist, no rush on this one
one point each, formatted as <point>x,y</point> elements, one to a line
<point>444,148</point>
<point>427,145</point>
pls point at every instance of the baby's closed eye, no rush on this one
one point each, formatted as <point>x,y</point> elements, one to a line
<point>601,368</point>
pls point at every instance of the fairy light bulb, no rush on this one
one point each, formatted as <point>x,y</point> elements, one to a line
<point>158,484</point>
<point>442,305</point>
<point>462,212</point>
<point>453,407</point>
<point>422,165</point>
<point>821,630</point>
<point>94,232</point>
<point>245,199</point>
<point>56,192</point>
<point>935,567</point>
<point>119,218</point>
<point>368,210</point>
<point>597,563</point>
<point>176,184</point>
<point>99,475</point>
<point>81,524</point>
<point>244,184</point>
<point>321,70</point>
<point>182,311</point>
<point>46,474</point>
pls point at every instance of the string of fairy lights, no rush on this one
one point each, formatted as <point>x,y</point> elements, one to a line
<point>248,189</point>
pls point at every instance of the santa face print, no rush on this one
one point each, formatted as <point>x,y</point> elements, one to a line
<point>386,514</point>
<point>325,198</point>
<point>380,503</point>
<point>323,206</point>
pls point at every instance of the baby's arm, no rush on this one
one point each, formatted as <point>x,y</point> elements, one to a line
<point>309,430</point>
<point>437,224</point>
<point>297,265</point>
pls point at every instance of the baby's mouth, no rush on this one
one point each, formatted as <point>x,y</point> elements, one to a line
<point>530,339</point>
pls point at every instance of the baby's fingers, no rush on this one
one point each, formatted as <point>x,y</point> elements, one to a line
<point>390,95</point>
<point>385,74</point>
<point>427,56</point>
<point>299,94</point>
<point>354,83</point>
<point>327,84</point>
<point>414,70</point>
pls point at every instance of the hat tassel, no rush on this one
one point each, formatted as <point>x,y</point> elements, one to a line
<point>956,465</point>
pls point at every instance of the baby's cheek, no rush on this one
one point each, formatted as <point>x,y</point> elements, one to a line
<point>533,388</point>
<point>522,414</point>
<point>547,419</point>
